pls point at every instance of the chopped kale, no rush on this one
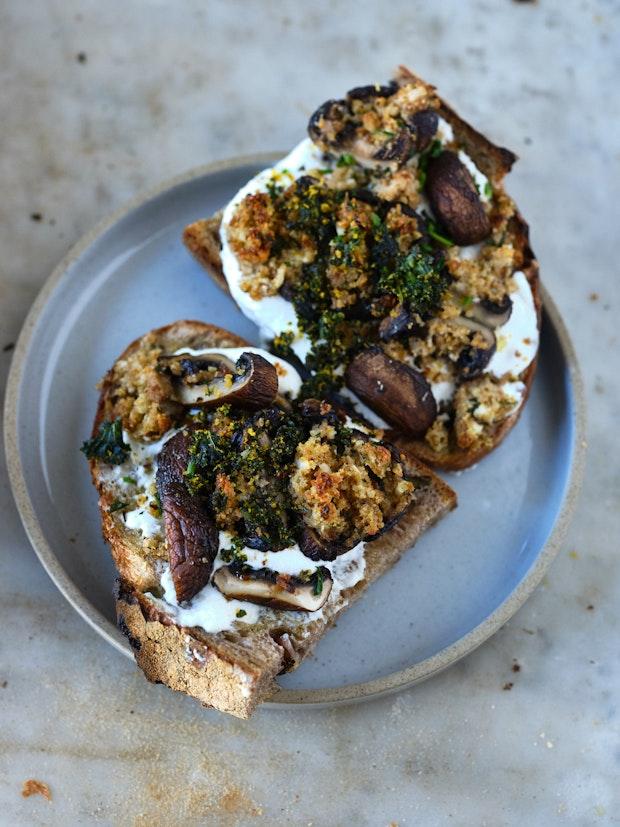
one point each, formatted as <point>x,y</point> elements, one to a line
<point>108,445</point>
<point>418,281</point>
<point>117,505</point>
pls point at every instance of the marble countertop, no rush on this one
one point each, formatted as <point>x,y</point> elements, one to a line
<point>101,100</point>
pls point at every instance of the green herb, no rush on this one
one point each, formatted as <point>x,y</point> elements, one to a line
<point>116,506</point>
<point>191,468</point>
<point>318,583</point>
<point>274,189</point>
<point>385,132</point>
<point>241,613</point>
<point>326,171</point>
<point>437,236</point>
<point>418,280</point>
<point>346,160</point>
<point>467,301</point>
<point>107,445</point>
<point>432,151</point>
<point>375,220</point>
<point>130,480</point>
<point>488,189</point>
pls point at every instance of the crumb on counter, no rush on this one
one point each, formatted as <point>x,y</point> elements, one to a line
<point>33,787</point>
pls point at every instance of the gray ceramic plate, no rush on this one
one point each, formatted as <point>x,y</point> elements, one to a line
<point>464,579</point>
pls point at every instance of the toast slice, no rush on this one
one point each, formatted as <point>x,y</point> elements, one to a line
<point>231,670</point>
<point>443,445</point>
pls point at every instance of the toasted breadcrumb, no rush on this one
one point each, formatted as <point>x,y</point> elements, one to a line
<point>339,494</point>
<point>479,406</point>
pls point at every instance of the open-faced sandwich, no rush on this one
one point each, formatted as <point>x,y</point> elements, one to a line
<point>385,258</point>
<point>242,519</point>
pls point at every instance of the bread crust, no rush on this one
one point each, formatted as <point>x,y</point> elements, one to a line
<point>231,671</point>
<point>203,241</point>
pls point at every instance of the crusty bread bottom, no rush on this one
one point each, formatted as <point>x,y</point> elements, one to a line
<point>234,671</point>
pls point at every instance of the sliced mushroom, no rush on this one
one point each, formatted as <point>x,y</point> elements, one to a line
<point>396,323</point>
<point>423,125</point>
<point>472,361</point>
<point>328,126</point>
<point>373,90</point>
<point>397,148</point>
<point>316,548</point>
<point>492,314</point>
<point>191,535</point>
<point>270,588</point>
<point>396,392</point>
<point>455,200</point>
<point>211,379</point>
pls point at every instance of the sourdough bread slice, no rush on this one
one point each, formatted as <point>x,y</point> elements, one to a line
<point>231,671</point>
<point>202,239</point>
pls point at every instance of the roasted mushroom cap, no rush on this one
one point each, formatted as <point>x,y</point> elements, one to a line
<point>423,125</point>
<point>396,392</point>
<point>492,314</point>
<point>472,361</point>
<point>316,548</point>
<point>191,535</point>
<point>454,199</point>
<point>270,588</point>
<point>328,125</point>
<point>211,379</point>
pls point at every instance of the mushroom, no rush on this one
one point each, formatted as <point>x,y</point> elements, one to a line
<point>211,379</point>
<point>397,148</point>
<point>396,392</point>
<point>455,200</point>
<point>316,548</point>
<point>373,90</point>
<point>473,360</point>
<point>399,321</point>
<point>492,314</point>
<point>191,535</point>
<point>329,126</point>
<point>423,125</point>
<point>270,588</point>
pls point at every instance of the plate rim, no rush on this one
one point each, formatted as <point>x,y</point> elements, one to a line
<point>348,693</point>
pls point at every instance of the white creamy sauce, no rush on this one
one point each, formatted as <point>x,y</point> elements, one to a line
<point>443,391</point>
<point>213,612</point>
<point>517,340</point>
<point>136,476</point>
<point>289,381</point>
<point>480,180</point>
<point>368,414</point>
<point>272,314</point>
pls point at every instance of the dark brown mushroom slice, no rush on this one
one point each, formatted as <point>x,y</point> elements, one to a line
<point>491,314</point>
<point>398,322</point>
<point>329,125</point>
<point>397,393</point>
<point>454,199</point>
<point>211,379</point>
<point>396,149</point>
<point>373,90</point>
<point>315,548</point>
<point>192,538</point>
<point>423,125</point>
<point>270,588</point>
<point>472,361</point>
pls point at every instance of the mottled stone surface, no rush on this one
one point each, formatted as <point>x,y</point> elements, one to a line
<point>99,100</point>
